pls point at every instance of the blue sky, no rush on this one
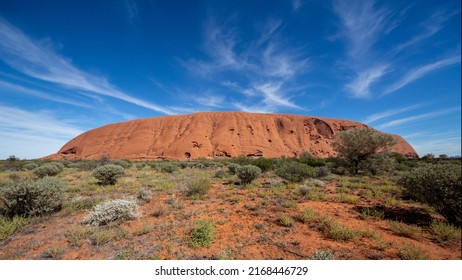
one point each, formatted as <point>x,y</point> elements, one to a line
<point>70,66</point>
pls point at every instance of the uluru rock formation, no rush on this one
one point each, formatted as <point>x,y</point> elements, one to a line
<point>213,135</point>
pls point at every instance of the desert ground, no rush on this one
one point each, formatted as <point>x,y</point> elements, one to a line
<point>199,210</point>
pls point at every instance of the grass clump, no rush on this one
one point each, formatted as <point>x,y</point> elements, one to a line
<point>412,252</point>
<point>112,211</point>
<point>309,215</point>
<point>248,173</point>
<point>445,233</point>
<point>9,226</point>
<point>198,188</point>
<point>203,234</point>
<point>108,174</point>
<point>405,230</point>
<point>347,198</point>
<point>34,198</point>
<point>286,220</point>
<point>336,231</point>
<point>77,237</point>
<point>144,195</point>
<point>368,212</point>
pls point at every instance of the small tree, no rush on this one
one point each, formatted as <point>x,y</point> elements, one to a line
<point>359,144</point>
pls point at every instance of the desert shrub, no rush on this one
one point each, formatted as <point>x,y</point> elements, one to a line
<point>304,189</point>
<point>438,185</point>
<point>109,173</point>
<point>220,173</point>
<point>322,171</point>
<point>34,198</point>
<point>264,164</point>
<point>203,234</point>
<point>248,173</point>
<point>295,171</point>
<point>9,226</point>
<point>311,161</point>
<point>85,165</point>
<point>168,167</point>
<point>198,187</point>
<point>379,164</point>
<point>12,163</point>
<point>322,255</point>
<point>140,165</point>
<point>309,215</point>
<point>125,164</point>
<point>144,195</point>
<point>317,183</point>
<point>31,166</point>
<point>232,167</point>
<point>59,165</point>
<point>47,169</point>
<point>116,210</point>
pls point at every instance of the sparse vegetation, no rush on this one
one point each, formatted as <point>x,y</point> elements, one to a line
<point>269,213</point>
<point>47,169</point>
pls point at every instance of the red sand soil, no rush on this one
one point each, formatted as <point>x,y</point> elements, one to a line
<point>213,135</point>
<point>246,228</point>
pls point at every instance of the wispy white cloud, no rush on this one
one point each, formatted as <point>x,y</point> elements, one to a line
<point>362,24</point>
<point>41,62</point>
<point>430,27</point>
<point>416,118</point>
<point>262,67</point>
<point>131,8</point>
<point>360,87</point>
<point>390,113</point>
<point>19,128</point>
<point>420,72</point>
<point>296,4</point>
<point>9,88</point>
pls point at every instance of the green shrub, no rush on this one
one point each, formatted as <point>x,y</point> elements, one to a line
<point>31,166</point>
<point>203,234</point>
<point>248,173</point>
<point>47,169</point>
<point>140,165</point>
<point>34,198</point>
<point>198,187</point>
<point>59,165</point>
<point>295,171</point>
<point>309,215</point>
<point>220,173</point>
<point>108,174</point>
<point>311,161</point>
<point>438,185</point>
<point>168,167</point>
<point>322,171</point>
<point>264,164</point>
<point>117,210</point>
<point>232,167</point>
<point>125,164</point>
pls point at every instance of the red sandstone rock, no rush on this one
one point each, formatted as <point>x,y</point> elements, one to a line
<point>213,135</point>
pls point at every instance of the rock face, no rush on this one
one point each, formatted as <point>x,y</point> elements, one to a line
<point>213,135</point>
